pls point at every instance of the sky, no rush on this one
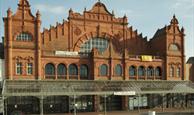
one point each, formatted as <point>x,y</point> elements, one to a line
<point>144,15</point>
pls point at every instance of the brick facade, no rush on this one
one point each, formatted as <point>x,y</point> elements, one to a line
<point>126,45</point>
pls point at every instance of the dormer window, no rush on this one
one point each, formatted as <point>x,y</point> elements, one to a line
<point>24,37</point>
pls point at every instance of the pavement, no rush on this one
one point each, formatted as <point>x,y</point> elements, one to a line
<point>136,112</point>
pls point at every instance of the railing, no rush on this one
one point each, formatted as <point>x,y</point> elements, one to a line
<point>73,77</point>
<point>141,77</point>
<point>158,77</point>
<point>49,76</point>
<point>61,76</point>
<point>132,77</point>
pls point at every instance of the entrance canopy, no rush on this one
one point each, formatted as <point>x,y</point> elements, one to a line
<point>89,87</point>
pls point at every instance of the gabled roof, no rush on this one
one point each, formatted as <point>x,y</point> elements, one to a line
<point>190,60</point>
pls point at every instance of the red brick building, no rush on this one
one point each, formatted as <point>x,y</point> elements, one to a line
<point>190,69</point>
<point>94,45</point>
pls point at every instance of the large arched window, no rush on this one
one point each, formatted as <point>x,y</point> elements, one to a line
<point>150,71</point>
<point>158,71</point>
<point>73,71</point>
<point>103,70</point>
<point>24,37</point>
<point>61,70</point>
<point>118,70</point>
<point>171,71</point>
<point>141,71</point>
<point>178,72</point>
<point>132,71</point>
<point>84,71</point>
<point>98,43</point>
<point>50,70</point>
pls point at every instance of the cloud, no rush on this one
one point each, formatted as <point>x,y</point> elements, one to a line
<point>188,4</point>
<point>50,8</point>
<point>129,13</point>
<point>184,8</point>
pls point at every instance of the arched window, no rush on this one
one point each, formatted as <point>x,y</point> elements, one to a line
<point>173,47</point>
<point>24,37</point>
<point>84,71</point>
<point>150,71</point>
<point>103,70</point>
<point>158,71</point>
<point>73,71</point>
<point>132,71</point>
<point>178,72</point>
<point>141,71</point>
<point>61,70</point>
<point>98,43</point>
<point>118,70</point>
<point>171,71</point>
<point>50,70</point>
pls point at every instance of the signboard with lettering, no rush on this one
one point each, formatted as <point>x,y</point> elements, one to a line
<point>125,93</point>
<point>66,53</point>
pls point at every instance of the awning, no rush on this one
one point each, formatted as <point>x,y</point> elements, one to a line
<point>89,87</point>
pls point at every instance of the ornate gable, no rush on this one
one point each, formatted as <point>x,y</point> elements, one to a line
<point>100,8</point>
<point>23,11</point>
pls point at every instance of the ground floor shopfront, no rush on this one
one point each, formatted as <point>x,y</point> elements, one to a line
<point>65,104</point>
<point>47,97</point>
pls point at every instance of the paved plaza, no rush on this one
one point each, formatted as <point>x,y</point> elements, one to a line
<point>141,112</point>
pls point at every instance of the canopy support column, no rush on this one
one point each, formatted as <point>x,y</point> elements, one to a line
<point>163,102</point>
<point>138,103</point>
<point>41,105</point>
<point>105,104</point>
<point>74,101</point>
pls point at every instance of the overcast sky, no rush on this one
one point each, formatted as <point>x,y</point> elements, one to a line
<point>144,15</point>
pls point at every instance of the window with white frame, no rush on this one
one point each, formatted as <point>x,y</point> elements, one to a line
<point>24,37</point>
<point>173,47</point>
<point>171,71</point>
<point>18,68</point>
<point>29,69</point>
<point>178,72</point>
<point>98,43</point>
